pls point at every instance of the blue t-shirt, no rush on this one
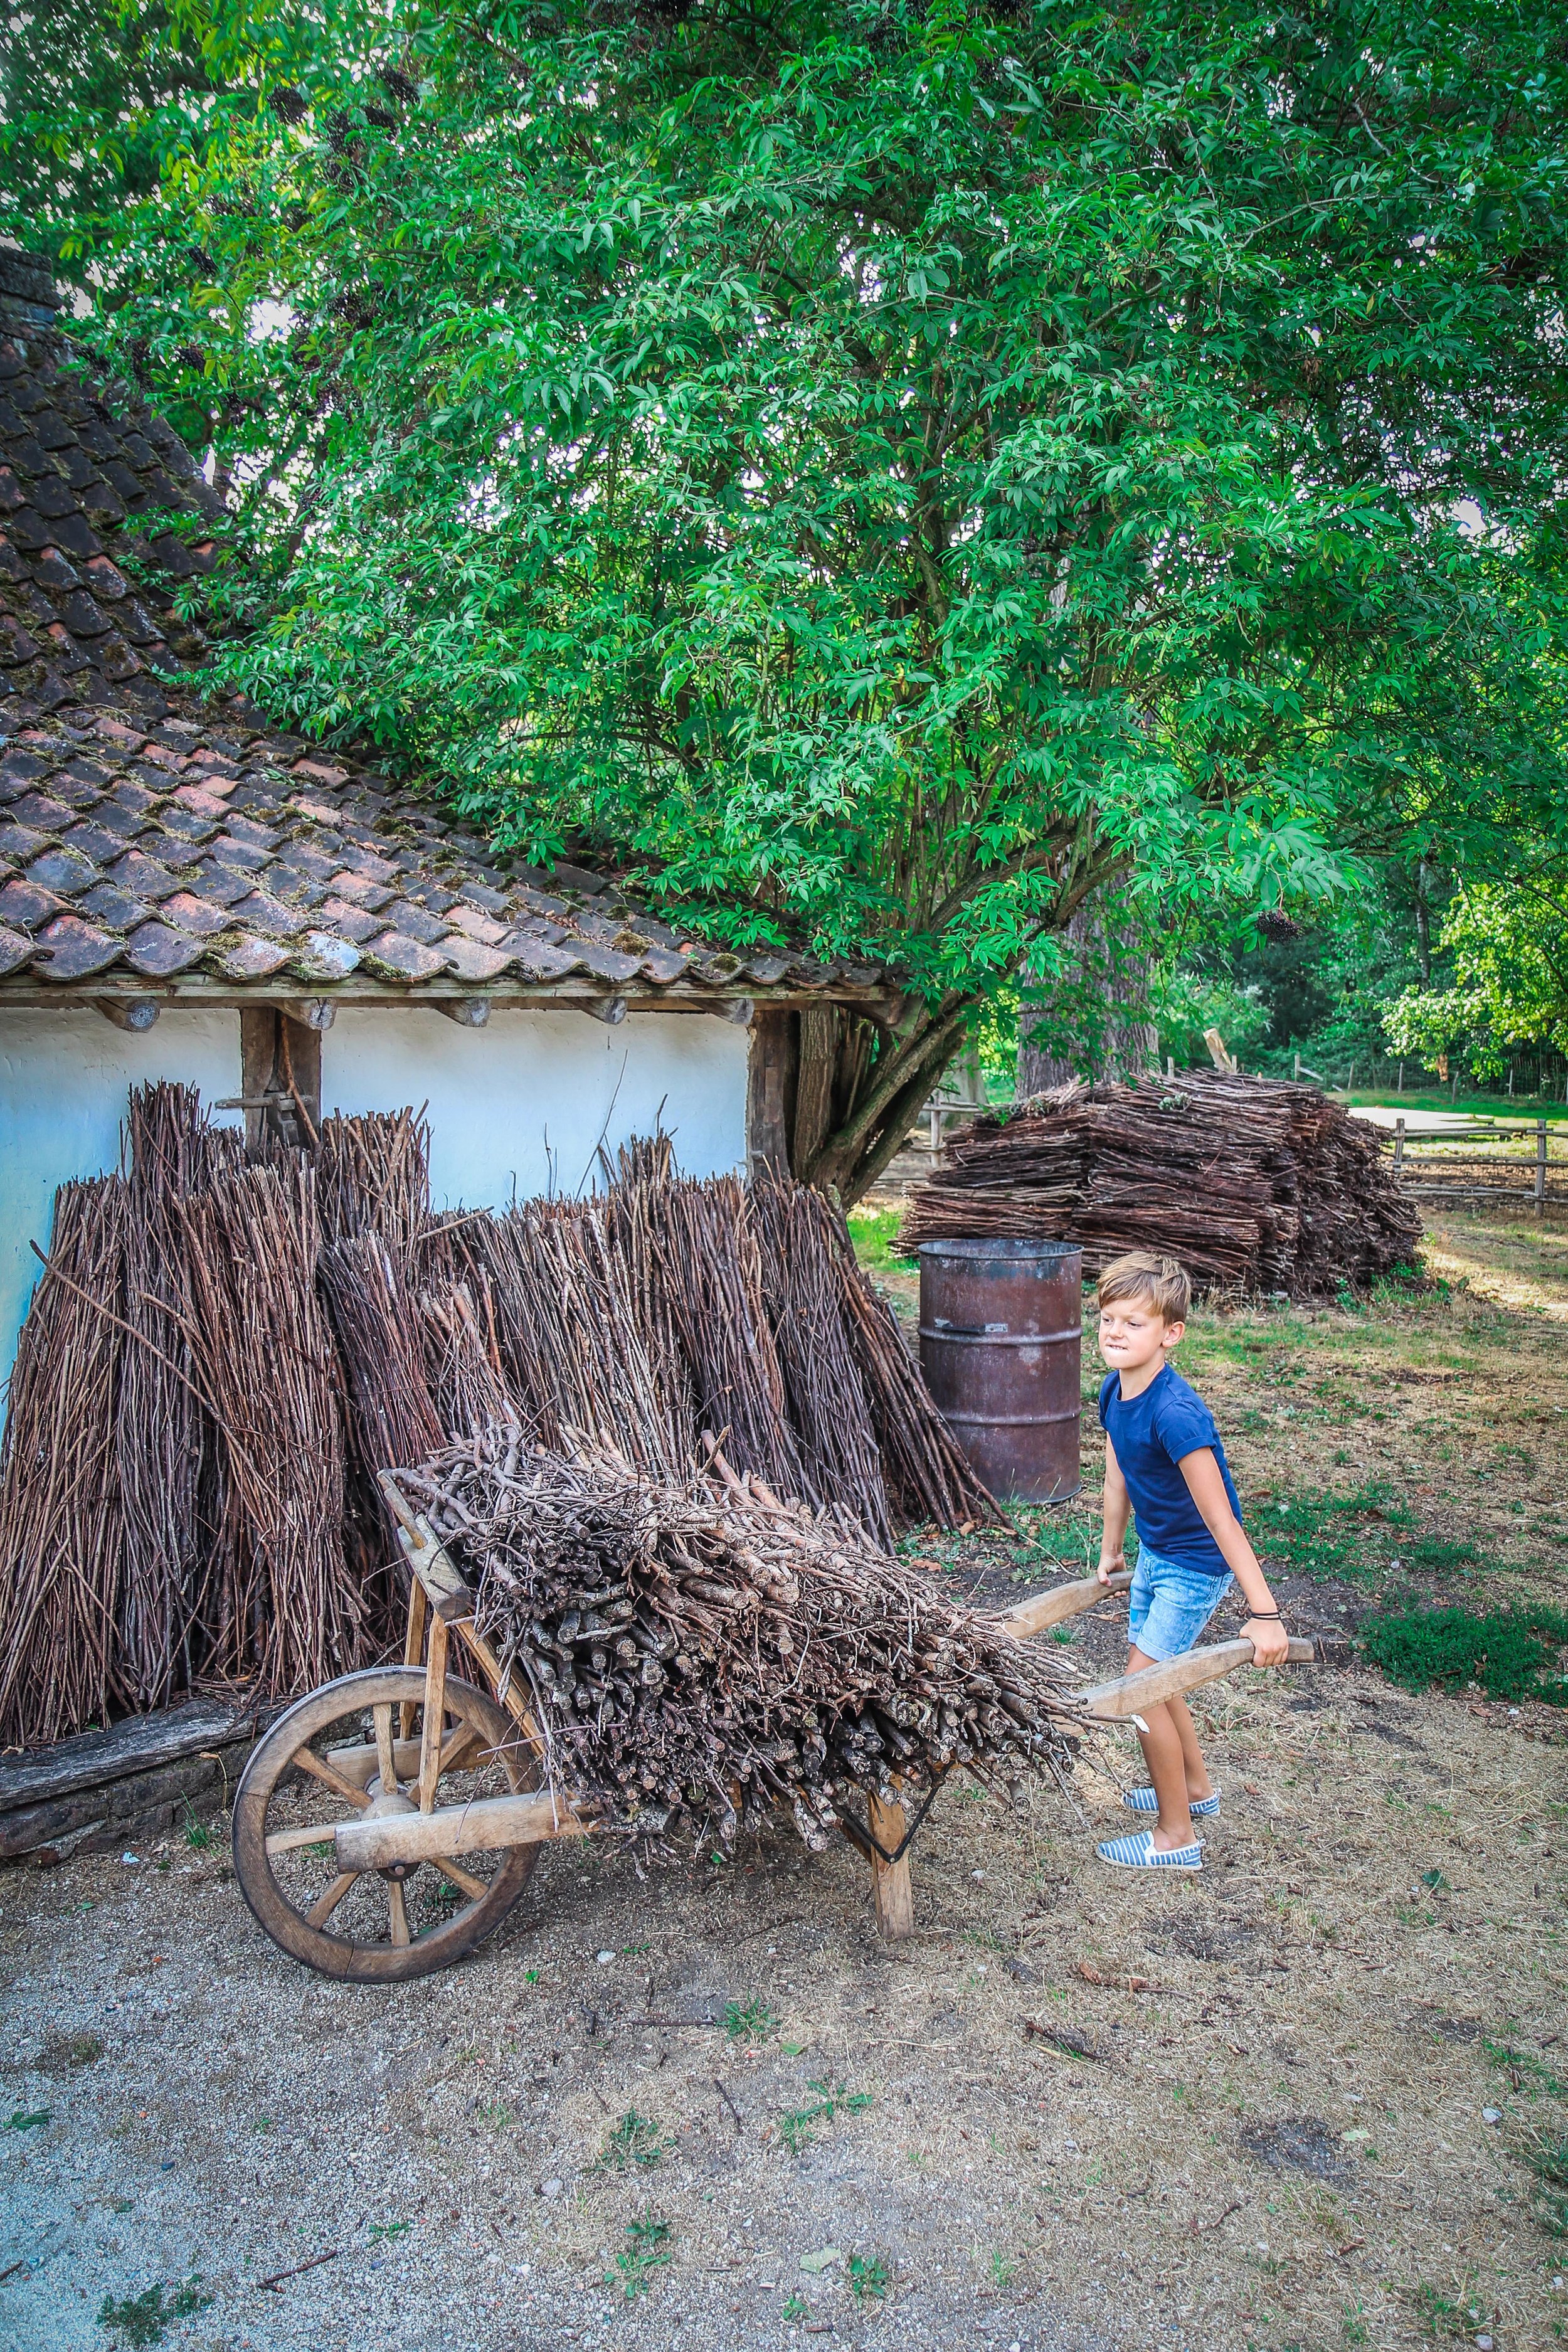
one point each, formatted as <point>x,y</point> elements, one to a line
<point>1150,1433</point>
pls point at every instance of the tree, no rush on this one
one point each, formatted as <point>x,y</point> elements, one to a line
<point>1510,950</point>
<point>891,470</point>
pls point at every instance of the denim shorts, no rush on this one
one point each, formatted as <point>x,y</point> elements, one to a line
<point>1169,1605</point>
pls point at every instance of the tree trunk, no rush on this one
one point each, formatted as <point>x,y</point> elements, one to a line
<point>833,1091</point>
<point>1092,1020</point>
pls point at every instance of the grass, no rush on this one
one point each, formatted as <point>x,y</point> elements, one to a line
<point>636,2142</point>
<point>747,2021</point>
<point>1508,1651</point>
<point>1362,1538</point>
<point>63,2054</point>
<point>869,2278</point>
<point>23,2119</point>
<point>872,1232</point>
<point>1547,2160</point>
<point>798,2126</point>
<point>1503,1106</point>
<point>145,2318</point>
<point>633,2268</point>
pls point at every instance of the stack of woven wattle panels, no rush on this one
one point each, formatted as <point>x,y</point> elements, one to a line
<point>1258,1187</point>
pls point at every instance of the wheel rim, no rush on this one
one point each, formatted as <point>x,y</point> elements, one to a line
<point>323,1763</point>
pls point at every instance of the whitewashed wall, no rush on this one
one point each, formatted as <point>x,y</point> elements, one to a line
<point>519,1105</point>
<point>516,1107</point>
<point>64,1079</point>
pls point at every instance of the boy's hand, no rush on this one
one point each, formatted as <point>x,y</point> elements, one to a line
<point>1111,1564</point>
<point>1270,1643</point>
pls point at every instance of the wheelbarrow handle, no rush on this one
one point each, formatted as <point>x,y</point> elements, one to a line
<point>1063,1600</point>
<point>1129,1694</point>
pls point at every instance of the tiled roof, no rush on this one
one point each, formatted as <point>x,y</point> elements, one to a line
<point>153,838</point>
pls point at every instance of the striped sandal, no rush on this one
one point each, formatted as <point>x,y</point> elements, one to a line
<point>1145,1800</point>
<point>1139,1851</point>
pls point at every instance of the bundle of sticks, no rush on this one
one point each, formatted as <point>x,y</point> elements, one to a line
<point>699,1652</point>
<point>1256,1186</point>
<point>61,1524</point>
<point>261,1333</point>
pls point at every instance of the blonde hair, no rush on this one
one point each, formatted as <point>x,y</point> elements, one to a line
<point>1144,1274</point>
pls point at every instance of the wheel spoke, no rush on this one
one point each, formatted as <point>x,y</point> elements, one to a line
<point>474,1888</point>
<point>322,1910</point>
<point>457,1751</point>
<point>287,1841</point>
<point>308,1761</point>
<point>398,1909</point>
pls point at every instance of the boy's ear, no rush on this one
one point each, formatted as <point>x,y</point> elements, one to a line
<point>1173,1335</point>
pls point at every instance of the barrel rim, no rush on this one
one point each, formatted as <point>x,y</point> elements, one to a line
<point>995,1247</point>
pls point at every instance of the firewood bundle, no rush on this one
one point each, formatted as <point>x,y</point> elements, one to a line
<point>61,1526</point>
<point>258,1334</point>
<point>1257,1187</point>
<point>699,1653</point>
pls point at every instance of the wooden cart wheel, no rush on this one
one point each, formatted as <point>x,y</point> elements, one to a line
<point>346,1751</point>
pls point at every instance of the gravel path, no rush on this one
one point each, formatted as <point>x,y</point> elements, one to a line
<point>1259,2103</point>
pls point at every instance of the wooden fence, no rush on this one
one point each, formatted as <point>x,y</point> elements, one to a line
<point>1522,1166</point>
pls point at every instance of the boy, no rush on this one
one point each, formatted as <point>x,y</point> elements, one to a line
<point>1164,1462</point>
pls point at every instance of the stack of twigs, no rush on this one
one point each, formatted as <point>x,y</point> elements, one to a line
<point>926,1473</point>
<point>282,1604</point>
<point>803,1283</point>
<point>166,1444</point>
<point>372,1176</point>
<point>569,1347</point>
<point>713,1277</point>
<point>462,1362</point>
<point>259,1370</point>
<point>60,1522</point>
<point>699,1653</point>
<point>1255,1186</point>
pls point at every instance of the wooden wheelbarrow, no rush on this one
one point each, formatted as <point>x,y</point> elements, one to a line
<point>382,1857</point>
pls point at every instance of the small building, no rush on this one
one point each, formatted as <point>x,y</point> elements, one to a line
<point>188,893</point>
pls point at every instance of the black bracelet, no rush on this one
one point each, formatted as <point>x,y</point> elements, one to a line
<point>1263,1615</point>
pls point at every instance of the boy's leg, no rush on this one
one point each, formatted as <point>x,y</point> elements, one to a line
<point>1164,1753</point>
<point>1199,1785</point>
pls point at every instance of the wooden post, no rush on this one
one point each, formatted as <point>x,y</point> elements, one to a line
<point>895,1897</point>
<point>1399,1147</point>
<point>1541,1166</point>
<point>435,1723</point>
<point>771,1088</point>
<point>414,1643</point>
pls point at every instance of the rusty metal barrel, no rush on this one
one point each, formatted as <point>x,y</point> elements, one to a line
<point>1001,1349</point>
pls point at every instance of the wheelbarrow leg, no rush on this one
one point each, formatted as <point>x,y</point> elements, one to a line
<point>891,1886</point>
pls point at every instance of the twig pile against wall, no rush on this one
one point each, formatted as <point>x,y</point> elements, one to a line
<point>60,1527</point>
<point>282,1603</point>
<point>372,1176</point>
<point>166,1444</point>
<point>682,1642</point>
<point>803,1285</point>
<point>258,1372</point>
<point>571,1351</point>
<point>462,1362</point>
<point>1255,1186</point>
<point>713,1274</point>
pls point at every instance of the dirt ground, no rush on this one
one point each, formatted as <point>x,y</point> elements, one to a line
<point>1292,2103</point>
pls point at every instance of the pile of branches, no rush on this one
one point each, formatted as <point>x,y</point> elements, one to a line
<point>61,1528</point>
<point>697,1652</point>
<point>1258,1187</point>
<point>173,1510</point>
<point>669,1310</point>
<point>255,1333</point>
